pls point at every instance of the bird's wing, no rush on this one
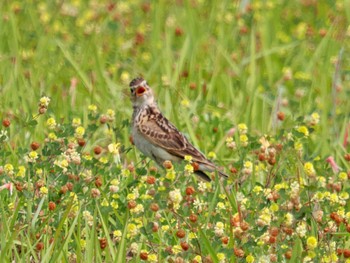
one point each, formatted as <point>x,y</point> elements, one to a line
<point>161,132</point>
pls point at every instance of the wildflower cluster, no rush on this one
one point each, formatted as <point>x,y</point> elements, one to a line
<point>71,186</point>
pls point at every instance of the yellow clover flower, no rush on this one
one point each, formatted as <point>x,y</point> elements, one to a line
<point>44,190</point>
<point>250,258</point>
<point>79,132</point>
<point>243,138</point>
<point>44,101</point>
<point>76,122</point>
<point>311,242</point>
<point>304,130</point>
<point>242,128</point>
<point>92,108</point>
<point>21,171</point>
<point>51,123</point>
<point>309,169</point>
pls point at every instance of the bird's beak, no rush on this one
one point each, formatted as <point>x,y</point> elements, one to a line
<point>140,91</point>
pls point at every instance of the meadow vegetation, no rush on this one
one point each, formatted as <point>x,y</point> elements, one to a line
<point>261,87</point>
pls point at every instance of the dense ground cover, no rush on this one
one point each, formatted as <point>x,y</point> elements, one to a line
<point>262,88</point>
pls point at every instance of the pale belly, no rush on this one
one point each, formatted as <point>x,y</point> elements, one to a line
<point>156,153</point>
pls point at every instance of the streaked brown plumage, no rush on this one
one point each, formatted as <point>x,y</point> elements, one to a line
<point>156,137</point>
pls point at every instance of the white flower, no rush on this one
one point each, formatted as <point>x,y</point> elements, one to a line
<point>219,229</point>
<point>301,229</point>
<point>175,198</point>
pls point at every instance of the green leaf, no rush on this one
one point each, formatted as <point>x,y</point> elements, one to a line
<point>297,250</point>
<point>207,245</point>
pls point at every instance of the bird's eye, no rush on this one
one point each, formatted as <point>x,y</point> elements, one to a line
<point>131,90</point>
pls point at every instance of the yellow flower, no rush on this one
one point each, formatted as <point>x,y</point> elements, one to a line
<point>170,174</point>
<point>212,155</point>
<point>113,148</point>
<point>250,258</point>
<point>248,167</point>
<point>44,101</point>
<point>192,235</point>
<point>125,77</point>
<point>274,207</point>
<point>76,122</point>
<point>304,130</point>
<point>146,57</point>
<point>257,189</point>
<point>318,196</point>
<point>315,118</point>
<point>33,155</point>
<point>138,209</point>
<point>311,254</point>
<point>79,132</point>
<point>87,157</point>
<point>125,172</point>
<point>82,243</point>
<point>221,257</point>
<point>301,30</point>
<point>110,114</point>
<point>343,176</point>
<point>92,108</point>
<point>8,168</point>
<point>198,259</point>
<point>132,229</point>
<point>334,257</point>
<point>230,143</point>
<point>311,242</point>
<point>44,190</point>
<point>52,136</point>
<point>117,233</point>
<point>161,188</point>
<point>220,206</point>
<point>309,169</point>
<point>103,160</point>
<point>115,182</point>
<point>165,228</point>
<point>334,198</point>
<point>265,217</point>
<point>344,196</point>
<point>11,206</point>
<point>189,169</point>
<point>289,218</point>
<point>114,205</point>
<point>298,146</point>
<point>185,103</point>
<point>188,158</point>
<point>64,163</point>
<point>243,138</point>
<point>104,202</point>
<point>21,171</point>
<point>51,123</point>
<point>152,258</point>
<point>280,186</point>
<point>242,128</point>
<point>248,164</point>
<point>131,196</point>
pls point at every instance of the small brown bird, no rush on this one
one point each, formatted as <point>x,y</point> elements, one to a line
<point>157,138</point>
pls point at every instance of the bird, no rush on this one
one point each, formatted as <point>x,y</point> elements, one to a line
<point>157,138</point>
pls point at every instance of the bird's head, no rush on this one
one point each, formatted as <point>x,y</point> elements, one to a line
<point>141,93</point>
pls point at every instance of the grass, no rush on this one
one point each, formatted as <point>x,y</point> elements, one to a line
<point>261,87</point>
